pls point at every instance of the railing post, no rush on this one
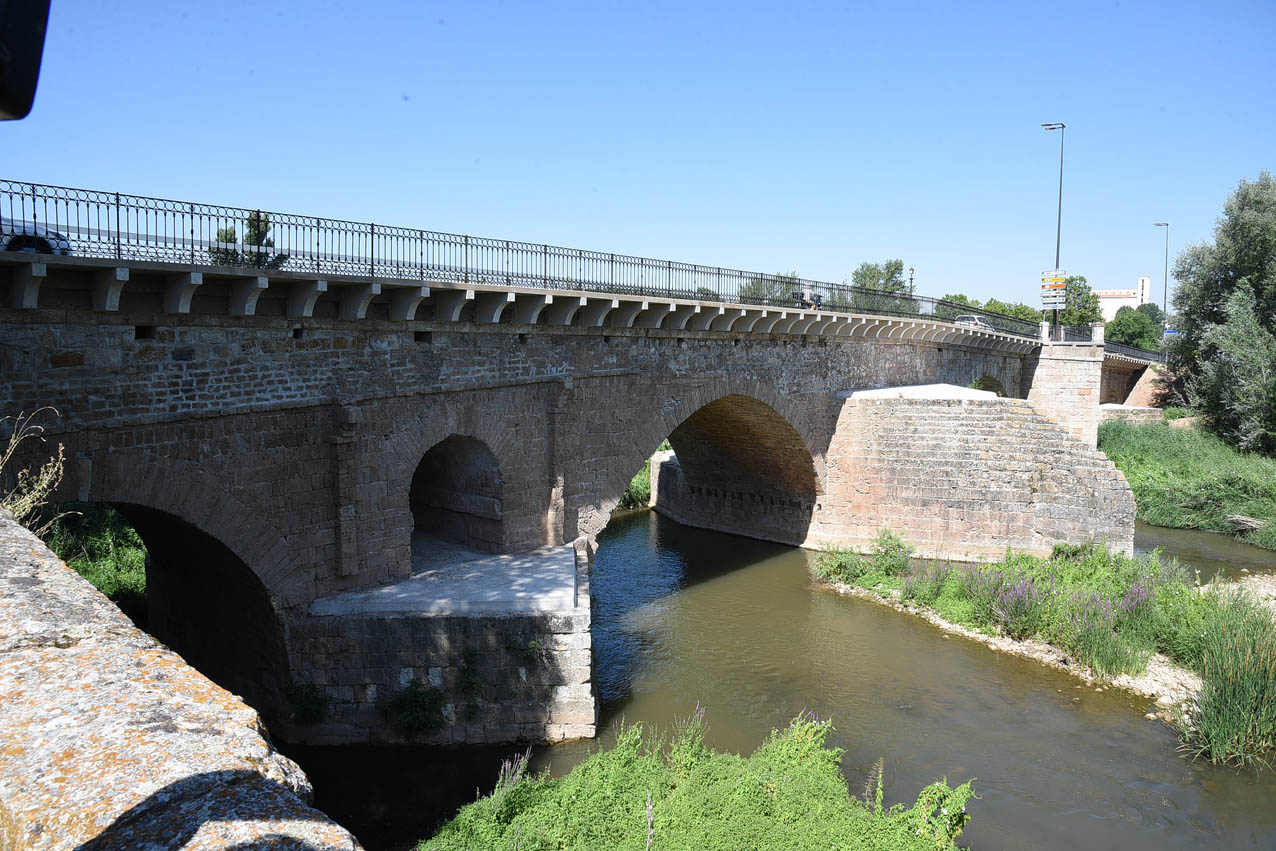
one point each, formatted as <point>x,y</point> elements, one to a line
<point>118,255</point>
<point>318,242</point>
<point>372,249</point>
<point>545,265</point>
<point>192,232</point>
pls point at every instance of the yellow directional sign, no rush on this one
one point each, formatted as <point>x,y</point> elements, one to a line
<point>1052,280</point>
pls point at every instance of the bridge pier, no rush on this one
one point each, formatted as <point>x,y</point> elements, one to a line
<point>474,649</point>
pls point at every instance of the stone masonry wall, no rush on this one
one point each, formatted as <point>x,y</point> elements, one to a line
<point>966,479</point>
<point>109,740</point>
<point>294,442</point>
<point>1063,382</point>
<point>514,676</point>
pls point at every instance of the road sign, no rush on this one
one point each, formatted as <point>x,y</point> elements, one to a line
<point>1054,289</point>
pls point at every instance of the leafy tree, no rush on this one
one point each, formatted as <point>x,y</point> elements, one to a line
<point>1133,328</point>
<point>881,288</point>
<point>1017,309</point>
<point>961,298</point>
<point>775,289</point>
<point>951,305</point>
<point>1153,312</point>
<point>1235,388</point>
<point>1244,250</point>
<point>256,238</point>
<point>1083,305</point>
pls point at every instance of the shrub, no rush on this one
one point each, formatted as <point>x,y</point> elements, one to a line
<point>1090,634</point>
<point>1018,606</point>
<point>416,708</point>
<point>924,584</point>
<point>1235,719</point>
<point>98,543</point>
<point>789,794</point>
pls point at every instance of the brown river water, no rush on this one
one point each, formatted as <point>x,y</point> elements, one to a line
<point>686,617</point>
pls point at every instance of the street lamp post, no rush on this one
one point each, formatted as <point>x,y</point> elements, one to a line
<point>1165,292</point>
<point>910,281</point>
<point>1058,229</point>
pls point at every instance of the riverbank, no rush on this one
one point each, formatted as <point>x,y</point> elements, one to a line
<point>646,791</point>
<point>1186,478</point>
<point>1205,654</point>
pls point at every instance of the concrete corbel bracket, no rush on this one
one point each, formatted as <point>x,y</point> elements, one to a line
<point>406,300</point>
<point>594,314</point>
<point>563,308</point>
<point>179,289</point>
<point>623,316</point>
<point>654,315</point>
<point>528,306</point>
<point>26,285</point>
<point>107,286</point>
<point>448,304</point>
<point>704,318</point>
<point>488,306</point>
<point>244,293</point>
<point>681,316</point>
<point>302,298</point>
<point>727,318</point>
<point>356,299</point>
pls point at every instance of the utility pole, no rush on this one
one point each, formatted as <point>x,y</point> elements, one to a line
<point>1058,230</point>
<point>1165,292</point>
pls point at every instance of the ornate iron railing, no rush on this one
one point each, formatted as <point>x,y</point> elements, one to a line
<point>1134,352</point>
<point>132,227</point>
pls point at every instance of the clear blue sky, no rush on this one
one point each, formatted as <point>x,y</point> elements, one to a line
<point>807,136</point>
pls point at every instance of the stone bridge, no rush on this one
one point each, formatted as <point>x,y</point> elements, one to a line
<point>387,490</point>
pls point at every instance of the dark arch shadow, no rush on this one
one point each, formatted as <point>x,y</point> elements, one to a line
<point>456,497</point>
<point>988,382</point>
<point>210,608</point>
<point>739,467</point>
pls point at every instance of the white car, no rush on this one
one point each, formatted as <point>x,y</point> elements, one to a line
<point>31,238</point>
<point>970,320</point>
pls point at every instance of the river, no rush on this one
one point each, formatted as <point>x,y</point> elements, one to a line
<point>687,617</point>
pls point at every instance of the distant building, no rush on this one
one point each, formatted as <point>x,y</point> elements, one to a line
<point>1110,301</point>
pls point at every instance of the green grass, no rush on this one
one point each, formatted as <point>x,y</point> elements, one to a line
<point>789,795</point>
<point>638,493</point>
<point>1110,613</point>
<point>1189,479</point>
<point>100,545</point>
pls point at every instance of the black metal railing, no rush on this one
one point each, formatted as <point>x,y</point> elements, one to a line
<point>1071,333</point>
<point>1134,352</point>
<point>113,225</point>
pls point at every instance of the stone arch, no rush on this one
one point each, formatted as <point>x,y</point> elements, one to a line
<point>482,419</point>
<point>456,496</point>
<point>193,495</point>
<point>219,577</point>
<point>205,603</point>
<point>743,443</point>
<point>988,382</point>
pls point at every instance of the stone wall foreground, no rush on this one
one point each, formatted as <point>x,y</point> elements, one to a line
<point>110,740</point>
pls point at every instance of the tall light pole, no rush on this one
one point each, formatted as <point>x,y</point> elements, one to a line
<point>910,281</point>
<point>1165,293</point>
<point>1058,228</point>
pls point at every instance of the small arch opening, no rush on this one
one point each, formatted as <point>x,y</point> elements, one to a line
<point>987,382</point>
<point>456,497</point>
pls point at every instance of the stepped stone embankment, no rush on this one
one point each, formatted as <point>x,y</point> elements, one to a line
<point>109,740</point>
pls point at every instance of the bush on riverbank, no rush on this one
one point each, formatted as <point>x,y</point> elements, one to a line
<point>788,795</point>
<point>1190,479</point>
<point>98,543</point>
<point>1111,613</point>
<point>638,493</point>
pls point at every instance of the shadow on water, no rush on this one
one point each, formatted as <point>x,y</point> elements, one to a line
<point>685,616</point>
